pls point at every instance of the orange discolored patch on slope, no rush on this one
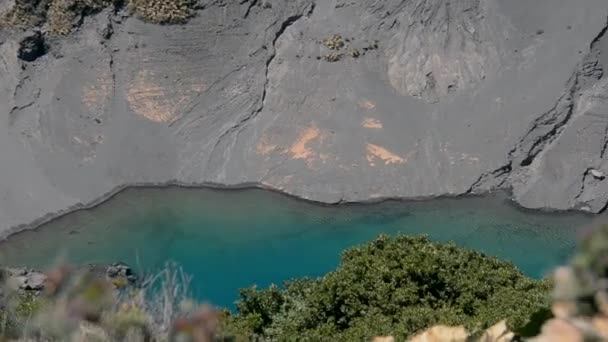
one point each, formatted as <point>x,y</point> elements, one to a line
<point>367,104</point>
<point>264,147</point>
<point>96,94</point>
<point>375,152</point>
<point>372,123</point>
<point>159,102</point>
<point>300,149</point>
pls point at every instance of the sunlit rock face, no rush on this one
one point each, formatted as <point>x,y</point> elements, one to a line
<point>326,100</point>
<point>443,47</point>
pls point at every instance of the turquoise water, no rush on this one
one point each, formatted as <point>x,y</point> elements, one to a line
<point>229,239</point>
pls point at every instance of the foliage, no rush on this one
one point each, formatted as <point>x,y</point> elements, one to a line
<point>580,296</point>
<point>395,287</point>
<point>580,303</point>
<point>84,306</point>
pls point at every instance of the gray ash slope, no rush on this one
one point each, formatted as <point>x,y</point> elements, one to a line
<point>421,98</point>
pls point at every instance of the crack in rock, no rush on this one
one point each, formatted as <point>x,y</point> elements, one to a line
<point>548,126</point>
<point>15,109</point>
<point>252,3</point>
<point>582,189</point>
<point>490,180</point>
<point>604,144</point>
<point>237,127</point>
<point>553,122</point>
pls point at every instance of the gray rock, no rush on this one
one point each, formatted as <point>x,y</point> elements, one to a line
<point>597,174</point>
<point>24,279</point>
<point>121,270</point>
<point>444,97</point>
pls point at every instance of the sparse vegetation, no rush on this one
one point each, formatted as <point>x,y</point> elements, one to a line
<point>83,306</point>
<point>59,15</point>
<point>333,57</point>
<point>163,11</point>
<point>335,42</point>
<point>25,13</point>
<point>340,47</point>
<point>62,15</point>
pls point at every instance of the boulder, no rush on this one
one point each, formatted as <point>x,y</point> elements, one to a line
<point>32,46</point>
<point>24,279</point>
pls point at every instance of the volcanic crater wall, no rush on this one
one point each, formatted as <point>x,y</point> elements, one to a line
<point>327,100</point>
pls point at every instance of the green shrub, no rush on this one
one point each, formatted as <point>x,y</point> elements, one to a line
<point>395,286</point>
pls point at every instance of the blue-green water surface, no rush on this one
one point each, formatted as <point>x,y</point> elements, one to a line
<point>229,239</point>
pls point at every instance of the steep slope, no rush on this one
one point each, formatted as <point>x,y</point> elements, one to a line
<point>329,100</point>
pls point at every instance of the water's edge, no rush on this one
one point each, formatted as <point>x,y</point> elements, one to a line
<point>228,238</point>
<point>50,217</point>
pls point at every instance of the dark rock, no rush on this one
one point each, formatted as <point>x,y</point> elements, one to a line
<point>116,272</point>
<point>32,47</point>
<point>597,174</point>
<point>28,280</point>
<point>107,31</point>
<point>121,270</point>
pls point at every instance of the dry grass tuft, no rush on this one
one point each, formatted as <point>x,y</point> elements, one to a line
<point>82,306</point>
<point>163,11</point>
<point>62,16</point>
<point>24,14</point>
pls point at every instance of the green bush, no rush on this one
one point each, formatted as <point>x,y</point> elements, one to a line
<point>398,287</point>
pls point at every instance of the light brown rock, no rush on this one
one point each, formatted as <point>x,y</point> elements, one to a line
<point>442,333</point>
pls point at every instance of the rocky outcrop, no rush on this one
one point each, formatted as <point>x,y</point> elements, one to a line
<point>23,279</point>
<point>31,281</point>
<point>119,274</point>
<point>423,98</point>
<point>442,46</point>
<point>569,139</point>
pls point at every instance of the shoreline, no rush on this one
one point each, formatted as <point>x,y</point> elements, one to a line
<point>36,224</point>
